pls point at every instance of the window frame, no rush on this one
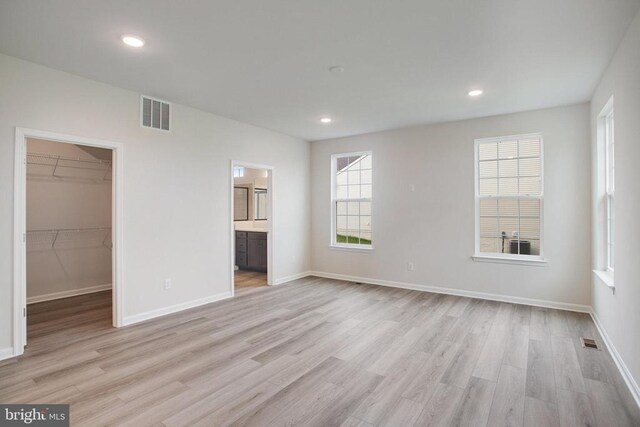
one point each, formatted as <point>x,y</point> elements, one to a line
<point>332,239</point>
<point>501,257</point>
<point>609,194</point>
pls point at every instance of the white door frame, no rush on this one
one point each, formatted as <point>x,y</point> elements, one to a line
<point>20,219</point>
<point>270,220</point>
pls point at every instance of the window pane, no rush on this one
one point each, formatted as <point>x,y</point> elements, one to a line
<point>507,149</point>
<point>529,147</point>
<point>341,192</point>
<point>530,186</point>
<point>354,164</point>
<point>489,244</point>
<point>530,208</point>
<point>488,187</point>
<point>341,208</point>
<point>530,167</point>
<point>509,226</point>
<point>365,238</point>
<point>365,208</point>
<point>488,207</point>
<point>365,163</point>
<point>341,178</point>
<point>508,208</point>
<point>365,223</point>
<point>535,246</point>
<point>354,177</point>
<point>353,222</point>
<point>488,151</point>
<point>365,177</point>
<point>508,168</point>
<point>508,186</point>
<point>341,222</point>
<point>489,227</point>
<point>366,191</point>
<point>488,169</point>
<point>353,208</point>
<point>354,191</point>
<point>530,228</point>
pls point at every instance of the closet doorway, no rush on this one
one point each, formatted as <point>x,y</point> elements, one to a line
<point>252,226</point>
<point>67,211</point>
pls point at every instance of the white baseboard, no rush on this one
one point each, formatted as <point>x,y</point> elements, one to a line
<point>622,367</point>
<point>152,314</point>
<point>451,291</point>
<point>297,276</point>
<point>6,353</point>
<point>69,293</point>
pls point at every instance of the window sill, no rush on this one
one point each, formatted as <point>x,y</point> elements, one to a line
<point>538,262</point>
<point>351,248</point>
<point>606,278</point>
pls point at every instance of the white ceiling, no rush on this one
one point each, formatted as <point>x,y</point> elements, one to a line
<point>266,62</point>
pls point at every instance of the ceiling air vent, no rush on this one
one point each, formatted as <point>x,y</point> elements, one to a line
<point>155,113</point>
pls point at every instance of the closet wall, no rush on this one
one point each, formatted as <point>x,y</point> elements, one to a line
<point>68,220</point>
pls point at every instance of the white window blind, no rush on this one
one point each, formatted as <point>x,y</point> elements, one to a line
<point>509,196</point>
<point>352,190</point>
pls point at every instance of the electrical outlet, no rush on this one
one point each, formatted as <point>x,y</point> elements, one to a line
<point>167,284</point>
<point>410,266</point>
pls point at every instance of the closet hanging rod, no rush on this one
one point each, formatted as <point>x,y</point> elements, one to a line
<point>48,156</point>
<point>51,236</point>
<point>56,161</point>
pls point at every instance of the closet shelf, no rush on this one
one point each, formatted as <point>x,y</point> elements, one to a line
<point>48,239</point>
<point>100,169</point>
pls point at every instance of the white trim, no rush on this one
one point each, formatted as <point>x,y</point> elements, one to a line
<point>19,226</point>
<point>6,353</point>
<point>152,314</point>
<point>66,294</point>
<point>351,248</point>
<point>458,292</point>
<point>520,260</point>
<point>297,276</point>
<point>606,278</point>
<point>622,367</point>
<point>270,221</point>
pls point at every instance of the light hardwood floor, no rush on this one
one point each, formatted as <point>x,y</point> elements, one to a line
<point>247,281</point>
<point>320,352</point>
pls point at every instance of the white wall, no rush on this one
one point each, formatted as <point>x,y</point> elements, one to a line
<point>619,313</point>
<point>78,199</point>
<point>176,185</point>
<point>434,226</point>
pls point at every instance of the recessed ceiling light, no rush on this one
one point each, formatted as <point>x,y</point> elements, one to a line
<point>326,120</point>
<point>133,41</point>
<point>336,69</point>
<point>475,92</point>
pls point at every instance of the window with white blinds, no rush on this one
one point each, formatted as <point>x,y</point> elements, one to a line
<point>351,199</point>
<point>509,196</point>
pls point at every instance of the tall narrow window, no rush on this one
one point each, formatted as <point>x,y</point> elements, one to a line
<point>509,197</point>
<point>351,198</point>
<point>609,185</point>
